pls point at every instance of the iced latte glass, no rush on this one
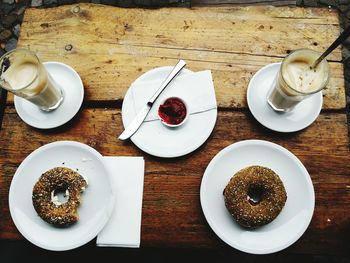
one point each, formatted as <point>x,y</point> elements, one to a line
<point>297,80</point>
<point>22,73</point>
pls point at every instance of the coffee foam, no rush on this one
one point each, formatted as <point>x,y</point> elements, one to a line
<point>299,75</point>
<point>28,78</point>
<point>24,76</point>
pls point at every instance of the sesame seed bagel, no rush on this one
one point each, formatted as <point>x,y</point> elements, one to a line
<point>50,210</point>
<point>255,196</point>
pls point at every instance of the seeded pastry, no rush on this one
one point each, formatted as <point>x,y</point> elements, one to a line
<point>46,204</point>
<point>255,196</point>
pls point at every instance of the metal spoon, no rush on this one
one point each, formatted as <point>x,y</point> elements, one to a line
<point>343,36</point>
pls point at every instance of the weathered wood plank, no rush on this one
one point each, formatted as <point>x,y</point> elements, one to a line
<point>234,42</point>
<point>244,2</point>
<point>171,190</point>
<point>3,98</point>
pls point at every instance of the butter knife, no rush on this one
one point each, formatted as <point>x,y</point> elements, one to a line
<point>141,115</point>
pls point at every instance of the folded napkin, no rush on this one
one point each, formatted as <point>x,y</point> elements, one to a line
<point>196,89</point>
<point>124,227</point>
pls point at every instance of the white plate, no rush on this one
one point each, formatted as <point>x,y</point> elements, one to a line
<point>294,218</point>
<point>94,210</point>
<point>304,114</point>
<point>155,138</point>
<point>73,90</point>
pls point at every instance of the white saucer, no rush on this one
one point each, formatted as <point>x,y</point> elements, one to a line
<point>304,114</point>
<point>155,138</point>
<point>97,200</point>
<point>294,218</point>
<point>73,90</point>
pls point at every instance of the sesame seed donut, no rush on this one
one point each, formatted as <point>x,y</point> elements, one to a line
<point>46,204</point>
<point>255,196</point>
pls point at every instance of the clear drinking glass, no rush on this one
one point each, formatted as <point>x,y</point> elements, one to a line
<point>22,73</point>
<point>296,80</point>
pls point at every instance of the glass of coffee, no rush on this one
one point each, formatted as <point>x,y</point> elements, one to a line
<point>296,80</point>
<point>22,73</point>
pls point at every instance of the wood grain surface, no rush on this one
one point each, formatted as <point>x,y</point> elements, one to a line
<point>172,214</point>
<point>110,47</point>
<point>244,2</point>
<point>234,42</point>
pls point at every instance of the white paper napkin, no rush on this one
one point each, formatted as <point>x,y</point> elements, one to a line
<point>124,227</point>
<point>196,89</point>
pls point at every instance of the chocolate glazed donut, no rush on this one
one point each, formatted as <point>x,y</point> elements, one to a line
<point>59,179</point>
<point>255,196</point>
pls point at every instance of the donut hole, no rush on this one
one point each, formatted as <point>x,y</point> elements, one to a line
<point>60,195</point>
<point>255,194</point>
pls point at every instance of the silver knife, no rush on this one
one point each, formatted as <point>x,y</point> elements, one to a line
<point>137,121</point>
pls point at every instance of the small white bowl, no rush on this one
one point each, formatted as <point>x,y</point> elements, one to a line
<point>174,125</point>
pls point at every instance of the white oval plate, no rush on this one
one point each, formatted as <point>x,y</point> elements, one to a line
<point>304,114</point>
<point>97,200</point>
<point>156,139</point>
<point>294,218</point>
<point>69,80</point>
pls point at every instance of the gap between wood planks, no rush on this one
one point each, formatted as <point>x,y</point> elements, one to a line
<point>117,104</point>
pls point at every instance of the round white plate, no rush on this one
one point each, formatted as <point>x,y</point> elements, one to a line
<point>304,114</point>
<point>97,200</point>
<point>294,218</point>
<point>155,138</point>
<point>73,90</point>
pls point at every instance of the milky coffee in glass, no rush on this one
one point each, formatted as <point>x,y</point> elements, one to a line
<point>297,80</point>
<point>23,74</point>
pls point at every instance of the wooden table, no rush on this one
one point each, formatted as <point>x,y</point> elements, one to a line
<point>110,47</point>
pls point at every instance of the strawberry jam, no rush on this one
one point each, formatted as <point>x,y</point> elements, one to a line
<point>173,111</point>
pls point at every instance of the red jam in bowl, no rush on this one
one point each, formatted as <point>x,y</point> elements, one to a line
<point>173,111</point>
